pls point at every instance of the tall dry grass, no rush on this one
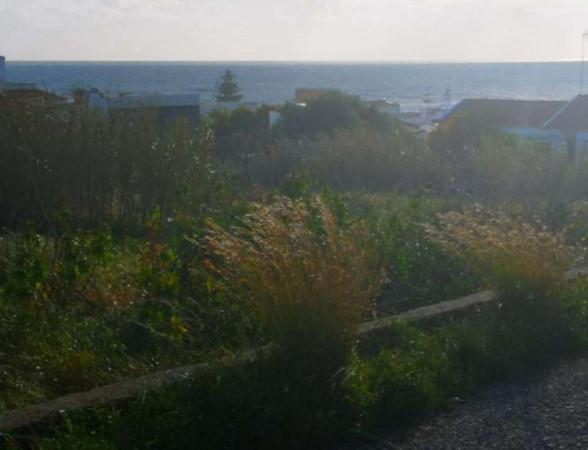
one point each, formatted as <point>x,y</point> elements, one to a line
<point>309,280</point>
<point>539,314</point>
<point>512,255</point>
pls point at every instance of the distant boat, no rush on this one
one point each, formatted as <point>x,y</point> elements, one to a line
<point>427,97</point>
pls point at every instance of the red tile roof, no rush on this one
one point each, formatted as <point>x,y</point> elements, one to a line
<point>304,95</point>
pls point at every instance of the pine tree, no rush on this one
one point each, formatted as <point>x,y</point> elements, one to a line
<point>227,89</point>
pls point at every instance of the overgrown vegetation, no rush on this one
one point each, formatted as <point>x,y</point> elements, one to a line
<point>130,246</point>
<point>309,280</point>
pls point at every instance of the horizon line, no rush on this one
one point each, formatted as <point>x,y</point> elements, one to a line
<point>301,61</point>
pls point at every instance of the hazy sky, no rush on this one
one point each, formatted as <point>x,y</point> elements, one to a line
<point>405,30</point>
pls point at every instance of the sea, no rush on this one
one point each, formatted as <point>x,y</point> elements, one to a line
<point>406,83</point>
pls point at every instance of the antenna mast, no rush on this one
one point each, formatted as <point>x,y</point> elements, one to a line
<point>584,37</point>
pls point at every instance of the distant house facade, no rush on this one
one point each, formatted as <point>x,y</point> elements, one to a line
<point>169,107</point>
<point>207,107</point>
<point>570,123</point>
<point>563,125</point>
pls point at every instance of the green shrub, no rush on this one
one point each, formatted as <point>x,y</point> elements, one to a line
<point>415,374</point>
<point>327,113</point>
<point>419,271</point>
<point>98,168</point>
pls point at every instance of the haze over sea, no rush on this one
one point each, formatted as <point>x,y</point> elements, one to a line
<point>276,82</point>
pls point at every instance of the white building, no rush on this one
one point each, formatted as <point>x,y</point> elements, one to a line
<point>208,106</point>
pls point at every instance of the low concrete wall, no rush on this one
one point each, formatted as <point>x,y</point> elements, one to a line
<point>29,415</point>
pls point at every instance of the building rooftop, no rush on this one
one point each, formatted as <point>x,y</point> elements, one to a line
<point>304,95</point>
<point>30,94</point>
<point>19,87</point>
<point>153,100</point>
<point>571,116</point>
<point>507,112</point>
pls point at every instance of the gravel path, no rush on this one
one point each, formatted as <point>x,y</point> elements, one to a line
<point>549,411</point>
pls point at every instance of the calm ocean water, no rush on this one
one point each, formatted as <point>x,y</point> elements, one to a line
<point>275,82</point>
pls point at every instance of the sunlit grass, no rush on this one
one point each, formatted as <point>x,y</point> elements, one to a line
<point>309,279</point>
<point>510,254</point>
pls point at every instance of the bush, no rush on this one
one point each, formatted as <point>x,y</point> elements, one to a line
<point>414,375</point>
<point>362,159</point>
<point>75,270</point>
<point>420,271</point>
<point>375,161</point>
<point>527,266</point>
<point>327,113</point>
<point>97,168</point>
